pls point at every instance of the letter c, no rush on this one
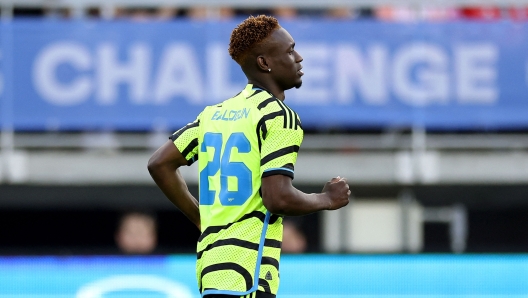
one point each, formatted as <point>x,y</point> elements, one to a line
<point>44,73</point>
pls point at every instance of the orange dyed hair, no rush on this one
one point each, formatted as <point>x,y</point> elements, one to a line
<point>249,33</point>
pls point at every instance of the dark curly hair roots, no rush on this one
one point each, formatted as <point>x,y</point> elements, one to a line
<point>249,33</point>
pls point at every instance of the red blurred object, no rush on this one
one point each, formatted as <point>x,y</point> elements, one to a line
<point>518,13</point>
<point>480,13</point>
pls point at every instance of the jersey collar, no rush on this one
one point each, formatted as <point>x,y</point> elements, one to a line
<point>251,88</point>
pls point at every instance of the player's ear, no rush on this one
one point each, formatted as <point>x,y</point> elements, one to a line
<point>262,63</point>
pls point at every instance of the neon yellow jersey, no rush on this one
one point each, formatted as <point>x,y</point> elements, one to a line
<point>237,143</point>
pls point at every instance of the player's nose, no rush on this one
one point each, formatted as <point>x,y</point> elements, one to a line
<point>299,57</point>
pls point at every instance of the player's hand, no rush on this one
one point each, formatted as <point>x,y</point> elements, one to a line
<point>337,191</point>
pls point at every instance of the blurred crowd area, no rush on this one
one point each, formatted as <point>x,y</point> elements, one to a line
<point>383,13</point>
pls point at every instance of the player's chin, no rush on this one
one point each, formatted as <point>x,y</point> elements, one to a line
<point>298,84</point>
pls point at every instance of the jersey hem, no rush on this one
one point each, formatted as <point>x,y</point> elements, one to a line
<point>257,269</point>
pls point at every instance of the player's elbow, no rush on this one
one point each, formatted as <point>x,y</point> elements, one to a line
<point>274,207</point>
<point>154,165</point>
<point>275,202</point>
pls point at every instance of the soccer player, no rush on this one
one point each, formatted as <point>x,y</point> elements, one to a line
<point>246,148</point>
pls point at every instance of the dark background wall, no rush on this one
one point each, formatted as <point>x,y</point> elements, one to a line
<point>68,220</point>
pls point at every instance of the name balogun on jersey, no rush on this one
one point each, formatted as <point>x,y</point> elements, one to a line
<point>231,115</point>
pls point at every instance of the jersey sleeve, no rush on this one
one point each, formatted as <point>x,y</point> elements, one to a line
<point>280,144</point>
<point>186,140</point>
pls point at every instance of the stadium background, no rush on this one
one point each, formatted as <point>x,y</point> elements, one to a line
<point>421,105</point>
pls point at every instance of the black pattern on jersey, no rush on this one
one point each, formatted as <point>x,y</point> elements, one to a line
<point>270,261</point>
<point>241,243</point>
<point>290,118</point>
<point>215,229</point>
<point>288,166</point>
<point>184,129</point>
<point>272,243</point>
<point>231,241</point>
<point>265,285</point>
<point>294,119</point>
<point>283,107</point>
<point>192,145</point>
<point>254,93</point>
<point>255,214</point>
<point>261,126</point>
<point>279,153</point>
<point>273,218</point>
<point>266,102</point>
<point>229,266</point>
<point>297,122</point>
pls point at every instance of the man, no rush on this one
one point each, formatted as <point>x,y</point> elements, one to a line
<point>137,233</point>
<point>247,148</point>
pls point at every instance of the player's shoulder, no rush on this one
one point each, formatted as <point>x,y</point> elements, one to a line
<point>265,102</point>
<point>275,110</point>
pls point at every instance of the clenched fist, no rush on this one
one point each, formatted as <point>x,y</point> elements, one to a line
<point>337,192</point>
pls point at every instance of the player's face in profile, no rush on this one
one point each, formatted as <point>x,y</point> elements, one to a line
<point>286,66</point>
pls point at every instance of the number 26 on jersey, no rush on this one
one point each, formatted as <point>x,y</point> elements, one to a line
<point>221,163</point>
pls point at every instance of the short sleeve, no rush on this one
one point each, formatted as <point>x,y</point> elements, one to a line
<point>280,145</point>
<point>186,140</point>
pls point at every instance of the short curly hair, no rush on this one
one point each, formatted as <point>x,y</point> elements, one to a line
<point>249,33</point>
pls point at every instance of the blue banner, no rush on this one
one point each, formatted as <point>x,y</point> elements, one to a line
<point>84,75</point>
<point>366,276</point>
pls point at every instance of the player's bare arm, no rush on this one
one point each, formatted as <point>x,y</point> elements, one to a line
<point>281,197</point>
<point>163,167</point>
